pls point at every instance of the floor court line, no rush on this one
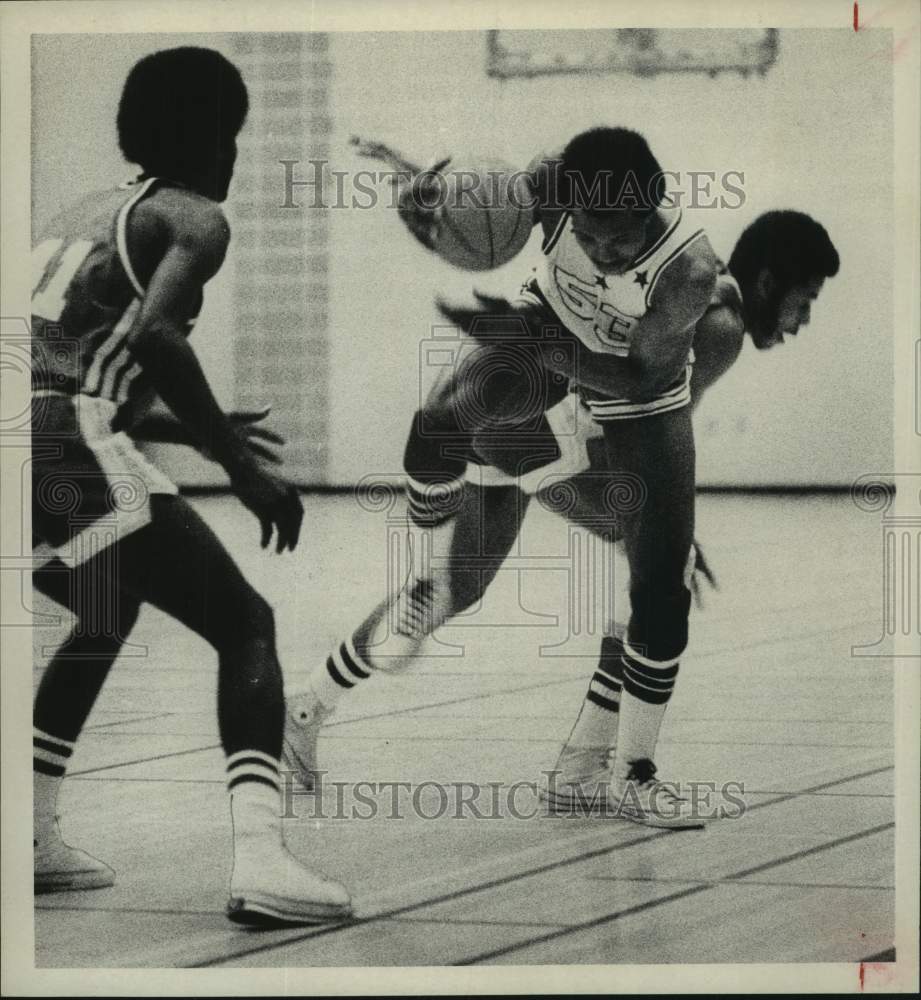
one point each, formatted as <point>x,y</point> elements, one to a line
<point>784,640</point>
<point>161,911</point>
<point>395,738</point>
<point>143,760</point>
<point>439,738</point>
<point>413,785</point>
<point>830,795</point>
<point>127,722</point>
<point>809,851</point>
<point>712,651</point>
<point>172,912</point>
<point>341,722</point>
<point>655,903</point>
<point>508,879</point>
<point>735,881</point>
<point>723,719</point>
<point>693,654</point>
<point>151,910</point>
<point>477,923</point>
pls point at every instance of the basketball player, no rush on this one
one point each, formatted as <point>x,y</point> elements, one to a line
<point>776,270</point>
<point>625,277</point>
<point>118,280</point>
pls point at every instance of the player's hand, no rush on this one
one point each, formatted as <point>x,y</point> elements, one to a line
<point>274,501</point>
<point>419,192</point>
<point>492,318</point>
<point>701,569</point>
<point>256,439</point>
<point>420,204</point>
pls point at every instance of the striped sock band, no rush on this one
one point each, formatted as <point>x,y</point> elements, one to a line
<point>345,667</point>
<point>651,681</point>
<point>415,610</point>
<point>252,766</point>
<point>50,754</point>
<point>607,681</point>
<point>431,504</point>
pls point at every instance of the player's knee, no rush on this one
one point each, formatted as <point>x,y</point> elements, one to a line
<point>246,619</point>
<point>424,457</point>
<point>250,691</point>
<point>127,618</point>
<point>659,620</point>
<point>98,631</point>
<point>467,587</point>
<point>262,674</point>
<point>259,618</point>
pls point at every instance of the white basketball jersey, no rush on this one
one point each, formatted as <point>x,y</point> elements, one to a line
<point>602,309</point>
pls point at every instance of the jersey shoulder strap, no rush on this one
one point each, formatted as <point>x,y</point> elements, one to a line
<point>681,231</point>
<point>138,191</point>
<point>551,212</point>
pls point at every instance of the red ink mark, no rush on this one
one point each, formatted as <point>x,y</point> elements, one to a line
<point>856,17</point>
<point>899,49</point>
<point>880,974</point>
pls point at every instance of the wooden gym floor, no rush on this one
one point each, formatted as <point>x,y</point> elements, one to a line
<point>769,696</point>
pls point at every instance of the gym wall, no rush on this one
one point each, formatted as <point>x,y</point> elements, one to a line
<point>326,313</point>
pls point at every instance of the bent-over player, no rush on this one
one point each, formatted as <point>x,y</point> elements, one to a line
<point>623,280</point>
<point>475,490</point>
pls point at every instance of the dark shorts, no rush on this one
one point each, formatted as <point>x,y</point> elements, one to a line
<point>90,484</point>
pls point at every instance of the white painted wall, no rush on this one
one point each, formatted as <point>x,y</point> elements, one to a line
<point>814,134</point>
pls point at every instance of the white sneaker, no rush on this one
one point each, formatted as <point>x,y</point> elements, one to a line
<point>304,715</point>
<point>271,886</point>
<point>59,867</point>
<point>640,798</point>
<point>580,781</point>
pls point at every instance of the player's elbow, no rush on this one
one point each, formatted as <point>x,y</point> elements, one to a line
<point>718,337</point>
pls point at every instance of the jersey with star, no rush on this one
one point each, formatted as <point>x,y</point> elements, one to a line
<point>602,309</point>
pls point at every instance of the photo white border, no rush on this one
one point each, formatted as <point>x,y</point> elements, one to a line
<point>17,21</point>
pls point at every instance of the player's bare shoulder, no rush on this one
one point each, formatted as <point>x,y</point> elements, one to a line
<point>692,274</point>
<point>174,217</point>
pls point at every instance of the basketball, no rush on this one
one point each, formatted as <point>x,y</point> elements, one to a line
<point>485,215</point>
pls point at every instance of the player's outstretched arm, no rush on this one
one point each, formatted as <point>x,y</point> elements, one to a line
<point>420,197</point>
<point>417,191</point>
<point>489,322</point>
<point>196,244</point>
<point>164,428</point>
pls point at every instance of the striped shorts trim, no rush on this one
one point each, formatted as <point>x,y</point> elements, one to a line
<point>604,410</point>
<point>90,485</point>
